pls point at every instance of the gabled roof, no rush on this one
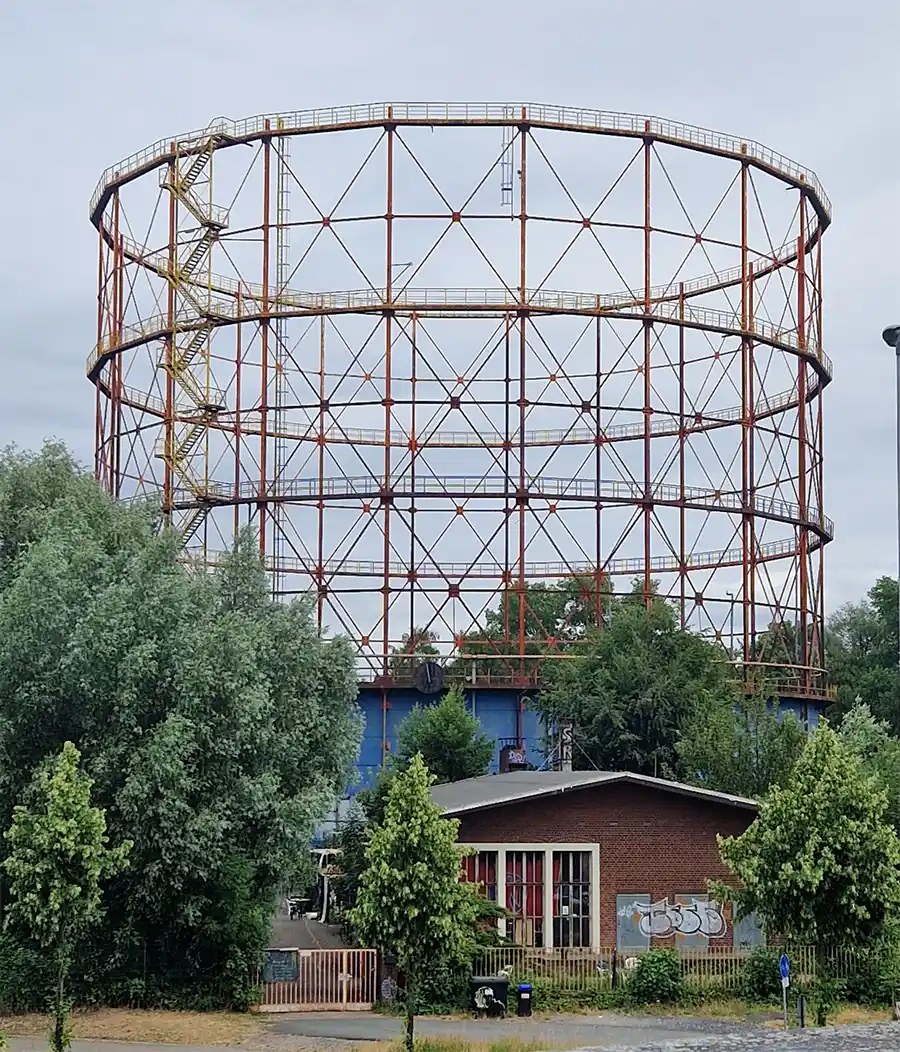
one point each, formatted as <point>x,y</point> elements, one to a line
<point>497,790</point>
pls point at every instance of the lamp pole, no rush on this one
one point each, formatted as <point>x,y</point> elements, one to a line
<point>891,337</point>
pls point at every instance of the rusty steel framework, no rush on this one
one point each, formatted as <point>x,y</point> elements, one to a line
<point>436,352</point>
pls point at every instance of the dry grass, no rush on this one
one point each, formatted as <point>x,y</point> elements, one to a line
<point>122,1024</point>
<point>844,1016</point>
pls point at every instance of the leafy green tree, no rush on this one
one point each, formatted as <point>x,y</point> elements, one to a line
<point>634,686</point>
<point>553,618</point>
<point>59,857</point>
<point>861,645</point>
<point>448,738</point>
<point>411,902</point>
<point>743,748</point>
<point>217,725</point>
<point>871,741</point>
<point>821,864</point>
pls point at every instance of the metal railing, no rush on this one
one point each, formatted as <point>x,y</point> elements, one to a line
<point>489,570</point>
<point>539,486</point>
<point>438,113</point>
<point>422,300</point>
<point>719,967</point>
<point>668,424</point>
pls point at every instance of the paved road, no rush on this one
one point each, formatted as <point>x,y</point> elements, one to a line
<point>600,1033</point>
<point>648,1034</point>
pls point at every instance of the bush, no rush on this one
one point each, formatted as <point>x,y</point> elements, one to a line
<point>549,996</point>
<point>27,978</point>
<point>656,978</point>
<point>761,976</point>
<point>874,978</point>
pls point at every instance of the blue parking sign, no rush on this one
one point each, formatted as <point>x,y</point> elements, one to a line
<point>784,966</point>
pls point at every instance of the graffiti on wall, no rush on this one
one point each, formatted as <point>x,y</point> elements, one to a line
<point>663,919</point>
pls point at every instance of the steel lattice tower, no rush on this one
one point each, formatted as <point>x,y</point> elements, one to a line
<point>437,353</point>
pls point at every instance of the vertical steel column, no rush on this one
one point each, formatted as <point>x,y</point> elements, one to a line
<point>413,458</point>
<point>508,483</point>
<point>819,656</point>
<point>751,454</point>
<point>116,365</point>
<point>599,572</point>
<point>238,367</point>
<point>803,612</point>
<point>746,415</point>
<point>320,506</point>
<point>262,505</point>
<point>387,493</point>
<point>171,346</point>
<point>98,411</point>
<point>523,407</point>
<point>682,471</point>
<point>648,482</point>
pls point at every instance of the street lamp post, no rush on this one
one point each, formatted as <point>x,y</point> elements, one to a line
<point>891,337</point>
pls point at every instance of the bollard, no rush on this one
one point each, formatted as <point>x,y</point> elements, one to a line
<point>801,1011</point>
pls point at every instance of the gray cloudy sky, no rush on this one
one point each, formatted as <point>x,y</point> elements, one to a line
<point>86,82</point>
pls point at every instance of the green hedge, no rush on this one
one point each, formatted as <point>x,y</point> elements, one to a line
<point>27,978</point>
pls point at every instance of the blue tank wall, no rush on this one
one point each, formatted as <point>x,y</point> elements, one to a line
<point>498,712</point>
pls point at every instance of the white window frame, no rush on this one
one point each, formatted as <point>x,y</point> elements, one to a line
<point>547,849</point>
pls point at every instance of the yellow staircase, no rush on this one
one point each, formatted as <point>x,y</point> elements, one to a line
<point>190,346</point>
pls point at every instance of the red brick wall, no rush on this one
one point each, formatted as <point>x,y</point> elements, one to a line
<point>651,842</point>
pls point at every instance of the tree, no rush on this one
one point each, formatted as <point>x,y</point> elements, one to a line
<point>59,857</point>
<point>217,725</point>
<point>878,751</point>
<point>410,901</point>
<point>552,617</point>
<point>743,748</point>
<point>634,686</point>
<point>417,646</point>
<point>447,737</point>
<point>820,865</point>
<point>861,645</point>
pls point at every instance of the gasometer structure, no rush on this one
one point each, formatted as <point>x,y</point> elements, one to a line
<point>448,359</point>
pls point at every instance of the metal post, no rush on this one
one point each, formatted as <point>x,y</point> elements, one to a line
<point>891,336</point>
<point>897,359</point>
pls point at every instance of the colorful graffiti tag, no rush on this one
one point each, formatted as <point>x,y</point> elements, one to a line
<point>663,918</point>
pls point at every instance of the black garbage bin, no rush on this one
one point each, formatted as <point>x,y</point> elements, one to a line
<point>489,995</point>
<point>523,1007</point>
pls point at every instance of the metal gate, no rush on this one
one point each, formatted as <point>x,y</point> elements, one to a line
<point>319,980</point>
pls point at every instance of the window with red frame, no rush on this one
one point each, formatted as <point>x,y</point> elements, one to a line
<point>571,898</point>
<point>525,896</point>
<point>482,869</point>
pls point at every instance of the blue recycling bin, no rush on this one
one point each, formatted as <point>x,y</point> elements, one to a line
<point>523,1007</point>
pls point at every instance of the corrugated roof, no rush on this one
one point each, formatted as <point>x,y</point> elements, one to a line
<point>496,790</point>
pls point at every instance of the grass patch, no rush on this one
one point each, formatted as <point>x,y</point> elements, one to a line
<point>729,1009</point>
<point>844,1016</point>
<point>123,1024</point>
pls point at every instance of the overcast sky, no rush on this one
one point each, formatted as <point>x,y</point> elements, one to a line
<point>87,82</point>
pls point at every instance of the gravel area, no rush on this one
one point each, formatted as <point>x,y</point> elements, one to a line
<point>875,1038</point>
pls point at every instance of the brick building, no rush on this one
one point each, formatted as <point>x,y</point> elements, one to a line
<point>601,859</point>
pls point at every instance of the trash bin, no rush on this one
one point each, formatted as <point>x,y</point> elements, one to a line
<point>488,995</point>
<point>524,1004</point>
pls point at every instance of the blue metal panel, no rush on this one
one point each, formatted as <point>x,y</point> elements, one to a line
<point>497,712</point>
